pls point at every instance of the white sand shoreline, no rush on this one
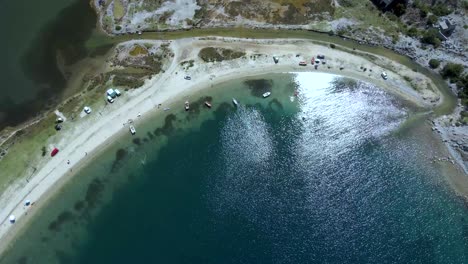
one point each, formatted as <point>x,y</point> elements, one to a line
<point>169,86</point>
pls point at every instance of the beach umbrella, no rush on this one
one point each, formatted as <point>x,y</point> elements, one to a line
<point>12,218</point>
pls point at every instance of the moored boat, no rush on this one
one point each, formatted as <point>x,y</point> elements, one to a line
<point>234,101</point>
<point>265,95</point>
<point>132,130</point>
<point>208,104</point>
<point>187,106</point>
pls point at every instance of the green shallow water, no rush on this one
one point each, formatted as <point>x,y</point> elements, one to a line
<point>327,177</point>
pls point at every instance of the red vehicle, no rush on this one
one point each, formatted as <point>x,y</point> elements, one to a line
<point>54,152</point>
<point>312,61</point>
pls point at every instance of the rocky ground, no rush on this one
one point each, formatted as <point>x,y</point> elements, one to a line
<point>454,135</point>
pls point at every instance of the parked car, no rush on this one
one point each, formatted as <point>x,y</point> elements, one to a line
<point>187,77</point>
<point>117,92</point>
<point>110,99</point>
<point>322,57</point>
<point>87,110</point>
<point>384,75</point>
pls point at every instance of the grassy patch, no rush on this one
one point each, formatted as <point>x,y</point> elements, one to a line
<point>119,10</point>
<point>138,50</point>
<point>24,151</point>
<point>211,54</point>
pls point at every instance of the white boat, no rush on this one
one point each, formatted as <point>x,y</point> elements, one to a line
<point>187,106</point>
<point>234,101</point>
<point>265,95</point>
<point>132,130</point>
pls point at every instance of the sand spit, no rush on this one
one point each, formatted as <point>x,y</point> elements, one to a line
<point>99,128</point>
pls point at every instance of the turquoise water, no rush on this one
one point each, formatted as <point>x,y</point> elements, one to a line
<point>327,176</point>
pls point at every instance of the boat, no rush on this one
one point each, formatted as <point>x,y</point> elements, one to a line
<point>208,104</point>
<point>265,95</point>
<point>302,63</point>
<point>54,152</point>
<point>187,106</point>
<point>234,101</point>
<point>132,130</point>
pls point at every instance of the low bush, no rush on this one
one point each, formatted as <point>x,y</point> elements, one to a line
<point>434,63</point>
<point>452,71</point>
<point>431,36</point>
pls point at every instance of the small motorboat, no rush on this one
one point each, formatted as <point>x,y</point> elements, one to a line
<point>265,95</point>
<point>187,106</point>
<point>208,104</point>
<point>234,101</point>
<point>132,130</point>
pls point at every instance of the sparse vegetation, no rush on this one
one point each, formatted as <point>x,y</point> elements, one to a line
<point>128,80</point>
<point>211,54</point>
<point>187,64</point>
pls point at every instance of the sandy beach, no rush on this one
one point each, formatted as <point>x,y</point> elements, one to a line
<point>81,143</point>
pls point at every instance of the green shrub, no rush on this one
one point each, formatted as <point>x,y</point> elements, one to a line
<point>392,17</point>
<point>441,10</point>
<point>432,20</point>
<point>211,54</point>
<point>434,63</point>
<point>431,36</point>
<point>452,71</point>
<point>413,32</point>
<point>332,46</point>
<point>399,9</point>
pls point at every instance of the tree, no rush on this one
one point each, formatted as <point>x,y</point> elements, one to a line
<point>452,71</point>
<point>434,63</point>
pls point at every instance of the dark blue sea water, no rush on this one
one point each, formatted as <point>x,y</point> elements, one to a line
<point>334,175</point>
